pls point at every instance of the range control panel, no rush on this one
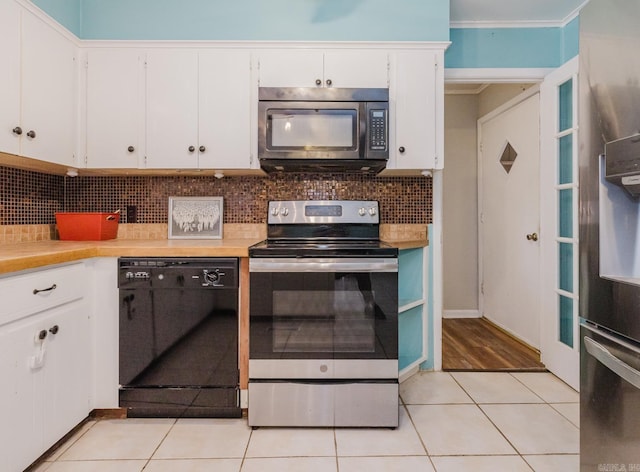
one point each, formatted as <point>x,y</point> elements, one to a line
<point>324,212</point>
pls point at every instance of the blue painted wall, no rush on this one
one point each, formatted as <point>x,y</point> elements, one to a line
<point>317,20</point>
<point>512,47</point>
<point>66,12</point>
<point>570,40</point>
<point>302,20</point>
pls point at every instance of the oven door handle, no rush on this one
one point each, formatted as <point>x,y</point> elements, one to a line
<point>343,264</point>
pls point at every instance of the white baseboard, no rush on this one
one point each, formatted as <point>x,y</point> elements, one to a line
<point>461,314</point>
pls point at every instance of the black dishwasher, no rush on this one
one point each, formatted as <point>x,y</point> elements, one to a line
<point>178,353</point>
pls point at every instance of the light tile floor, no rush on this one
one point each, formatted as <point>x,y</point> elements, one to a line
<point>475,421</point>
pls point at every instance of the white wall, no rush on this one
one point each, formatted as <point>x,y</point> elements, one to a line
<point>460,206</point>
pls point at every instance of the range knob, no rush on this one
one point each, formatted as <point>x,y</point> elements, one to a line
<point>372,211</point>
<point>274,211</point>
<point>362,211</point>
<point>285,211</point>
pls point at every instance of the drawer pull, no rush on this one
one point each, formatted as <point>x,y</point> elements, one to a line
<point>54,329</point>
<point>36,291</point>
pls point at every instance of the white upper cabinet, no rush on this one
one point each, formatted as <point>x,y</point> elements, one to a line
<point>417,110</point>
<point>344,68</point>
<point>227,111</point>
<point>172,109</point>
<point>115,108</point>
<point>49,88</point>
<point>198,109</point>
<point>10,77</point>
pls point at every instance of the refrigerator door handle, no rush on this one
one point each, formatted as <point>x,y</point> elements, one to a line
<point>610,361</point>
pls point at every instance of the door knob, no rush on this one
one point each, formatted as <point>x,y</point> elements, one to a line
<point>532,237</point>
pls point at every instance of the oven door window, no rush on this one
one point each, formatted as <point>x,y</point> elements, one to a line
<point>313,129</point>
<point>324,315</point>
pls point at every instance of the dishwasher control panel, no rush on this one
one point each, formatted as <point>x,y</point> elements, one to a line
<point>178,273</point>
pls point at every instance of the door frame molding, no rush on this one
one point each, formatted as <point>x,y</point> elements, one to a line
<point>531,91</point>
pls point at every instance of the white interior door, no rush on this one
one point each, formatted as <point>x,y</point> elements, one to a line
<point>509,207</point>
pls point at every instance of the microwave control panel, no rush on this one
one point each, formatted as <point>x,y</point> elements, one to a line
<point>378,129</point>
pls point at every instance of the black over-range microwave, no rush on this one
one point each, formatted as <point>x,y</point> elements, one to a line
<point>323,129</point>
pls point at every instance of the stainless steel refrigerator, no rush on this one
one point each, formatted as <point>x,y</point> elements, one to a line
<point>609,166</point>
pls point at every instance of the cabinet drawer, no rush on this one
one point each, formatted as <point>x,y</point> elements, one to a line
<point>33,292</point>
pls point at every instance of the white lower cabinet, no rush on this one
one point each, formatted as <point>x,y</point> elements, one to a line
<point>45,364</point>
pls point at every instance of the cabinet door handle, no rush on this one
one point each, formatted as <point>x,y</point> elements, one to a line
<point>202,149</point>
<point>31,134</point>
<point>37,291</point>
<point>401,149</point>
<point>192,148</point>
<point>42,334</point>
<point>131,149</point>
<point>329,82</point>
<point>54,329</point>
<point>318,82</point>
<point>17,131</point>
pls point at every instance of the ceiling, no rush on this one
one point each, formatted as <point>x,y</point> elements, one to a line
<point>515,12</point>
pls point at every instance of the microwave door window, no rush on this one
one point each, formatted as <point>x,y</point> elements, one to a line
<point>314,129</point>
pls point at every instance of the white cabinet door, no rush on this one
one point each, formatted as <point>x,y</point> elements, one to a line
<point>115,108</point>
<point>291,68</point>
<point>225,110</point>
<point>48,93</point>
<point>21,410</point>
<point>417,92</point>
<point>9,76</point>
<point>199,109</point>
<point>67,370</point>
<point>46,381</point>
<point>172,110</point>
<point>324,68</point>
<point>356,69</point>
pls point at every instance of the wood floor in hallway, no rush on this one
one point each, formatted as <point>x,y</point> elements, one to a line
<point>476,344</point>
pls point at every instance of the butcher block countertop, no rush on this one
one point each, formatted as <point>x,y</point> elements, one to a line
<point>149,240</point>
<point>21,256</point>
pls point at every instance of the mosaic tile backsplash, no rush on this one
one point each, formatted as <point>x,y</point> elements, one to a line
<point>28,197</point>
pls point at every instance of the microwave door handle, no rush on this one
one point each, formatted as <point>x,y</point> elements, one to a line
<point>363,114</point>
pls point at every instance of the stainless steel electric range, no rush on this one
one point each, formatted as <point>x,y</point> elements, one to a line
<point>323,318</point>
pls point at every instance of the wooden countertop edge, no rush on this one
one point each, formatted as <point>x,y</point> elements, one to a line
<point>413,244</point>
<point>23,256</point>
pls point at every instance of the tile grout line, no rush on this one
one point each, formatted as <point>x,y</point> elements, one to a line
<point>491,421</point>
<point>424,446</point>
<point>175,421</point>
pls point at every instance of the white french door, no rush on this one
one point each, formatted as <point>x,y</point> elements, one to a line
<point>560,349</point>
